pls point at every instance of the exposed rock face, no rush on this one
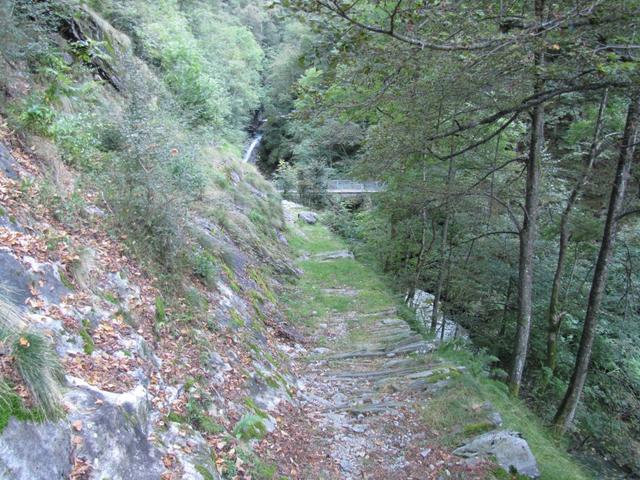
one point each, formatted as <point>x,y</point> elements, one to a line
<point>308,217</point>
<point>18,279</point>
<point>511,451</point>
<point>114,431</point>
<point>15,278</point>
<point>30,451</point>
<point>107,430</point>
<point>422,302</point>
<point>7,163</point>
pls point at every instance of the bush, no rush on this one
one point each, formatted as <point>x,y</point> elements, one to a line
<point>205,267</point>
<point>153,178</point>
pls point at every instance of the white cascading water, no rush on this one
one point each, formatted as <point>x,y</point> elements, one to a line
<point>249,156</point>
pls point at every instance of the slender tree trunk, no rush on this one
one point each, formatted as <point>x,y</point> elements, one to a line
<point>528,231</point>
<point>493,179</point>
<point>505,311</point>
<point>444,319</point>
<point>554,318</point>
<point>390,257</point>
<point>566,411</point>
<point>443,248</point>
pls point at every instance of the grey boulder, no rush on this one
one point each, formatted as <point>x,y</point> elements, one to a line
<point>8,164</point>
<point>115,432</point>
<point>510,450</point>
<point>35,451</point>
<point>308,217</point>
<point>19,277</point>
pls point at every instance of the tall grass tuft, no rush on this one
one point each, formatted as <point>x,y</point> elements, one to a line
<point>35,360</point>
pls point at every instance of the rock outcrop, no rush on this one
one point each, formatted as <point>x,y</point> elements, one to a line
<point>510,450</point>
<point>308,217</point>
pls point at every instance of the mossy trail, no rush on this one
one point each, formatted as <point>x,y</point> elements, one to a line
<point>367,370</point>
<point>370,381</point>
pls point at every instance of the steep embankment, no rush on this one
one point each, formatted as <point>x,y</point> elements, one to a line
<point>391,403</point>
<point>150,389</point>
<point>140,259</point>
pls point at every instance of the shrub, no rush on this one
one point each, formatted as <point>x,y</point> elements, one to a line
<point>153,179</point>
<point>205,267</point>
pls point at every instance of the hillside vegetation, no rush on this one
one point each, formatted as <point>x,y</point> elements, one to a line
<point>139,255</point>
<point>162,316</point>
<point>506,134</point>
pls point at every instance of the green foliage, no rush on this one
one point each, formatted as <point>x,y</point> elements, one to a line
<point>196,411</point>
<point>249,427</point>
<point>11,405</point>
<point>205,267</point>
<point>160,315</point>
<point>285,178</point>
<point>37,115</point>
<point>258,468</point>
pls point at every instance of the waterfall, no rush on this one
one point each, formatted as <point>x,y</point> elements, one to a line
<point>250,154</point>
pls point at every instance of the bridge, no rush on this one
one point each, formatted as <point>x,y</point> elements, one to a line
<point>350,187</point>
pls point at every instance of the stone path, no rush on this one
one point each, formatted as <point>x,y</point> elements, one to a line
<point>371,389</point>
<point>366,388</point>
<point>367,392</point>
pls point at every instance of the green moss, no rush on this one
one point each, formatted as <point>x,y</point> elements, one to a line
<point>250,426</point>
<point>207,425</point>
<point>251,405</point>
<point>499,473</point>
<point>231,278</point>
<point>175,417</point>
<point>11,406</point>
<point>259,277</point>
<point>443,375</point>
<point>85,334</point>
<point>111,298</point>
<point>236,319</point>
<point>473,429</point>
<point>65,280</point>
<point>204,471</point>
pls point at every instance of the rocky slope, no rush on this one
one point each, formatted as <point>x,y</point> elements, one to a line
<point>143,398</point>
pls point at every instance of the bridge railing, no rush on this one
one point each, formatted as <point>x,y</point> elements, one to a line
<point>352,186</point>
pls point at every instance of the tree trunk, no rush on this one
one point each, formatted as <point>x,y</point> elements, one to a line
<point>505,311</point>
<point>493,179</point>
<point>554,318</point>
<point>443,248</point>
<point>567,410</point>
<point>528,231</point>
<point>444,320</point>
